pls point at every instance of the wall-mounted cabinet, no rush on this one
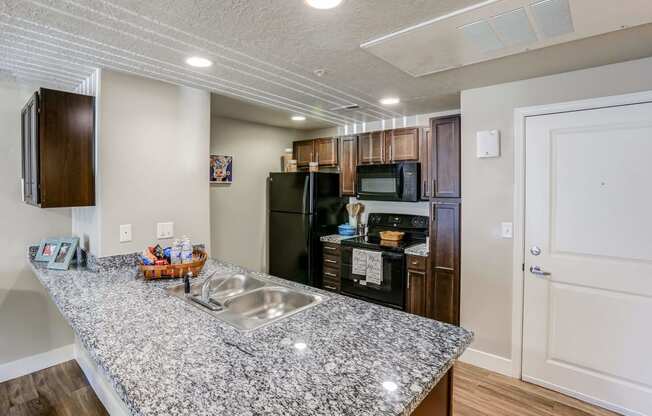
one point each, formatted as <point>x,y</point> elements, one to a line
<point>371,148</point>
<point>402,145</point>
<point>445,157</point>
<point>58,161</point>
<point>303,151</point>
<point>348,163</point>
<point>322,150</point>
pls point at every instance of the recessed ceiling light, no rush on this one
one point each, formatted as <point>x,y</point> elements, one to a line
<point>199,62</point>
<point>300,346</point>
<point>323,4</point>
<point>390,100</point>
<point>298,118</point>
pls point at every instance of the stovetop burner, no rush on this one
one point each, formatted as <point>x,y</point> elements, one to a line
<point>374,242</point>
<point>415,228</point>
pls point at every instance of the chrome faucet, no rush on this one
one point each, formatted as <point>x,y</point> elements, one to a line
<point>204,298</point>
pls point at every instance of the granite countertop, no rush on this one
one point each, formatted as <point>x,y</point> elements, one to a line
<point>335,238</point>
<point>421,250</point>
<point>166,357</point>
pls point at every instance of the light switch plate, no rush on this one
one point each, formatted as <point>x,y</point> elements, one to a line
<point>164,230</point>
<point>506,230</point>
<point>125,233</point>
<point>488,143</point>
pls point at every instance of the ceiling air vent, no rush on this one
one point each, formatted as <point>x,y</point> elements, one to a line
<point>482,36</point>
<point>345,107</point>
<point>553,17</point>
<point>514,28</point>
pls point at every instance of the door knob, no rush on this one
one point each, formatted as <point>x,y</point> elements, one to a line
<point>537,270</point>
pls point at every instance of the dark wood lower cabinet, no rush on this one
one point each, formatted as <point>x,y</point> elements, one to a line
<point>417,285</point>
<point>444,283</point>
<point>331,267</point>
<point>440,400</point>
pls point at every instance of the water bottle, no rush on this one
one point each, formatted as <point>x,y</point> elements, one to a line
<point>175,252</point>
<point>186,251</point>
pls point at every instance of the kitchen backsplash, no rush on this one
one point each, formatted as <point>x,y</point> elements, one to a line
<point>414,208</point>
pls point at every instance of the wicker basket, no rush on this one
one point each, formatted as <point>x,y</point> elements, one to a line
<point>391,235</point>
<point>171,271</point>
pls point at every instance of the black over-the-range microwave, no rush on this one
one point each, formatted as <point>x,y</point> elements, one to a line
<point>388,182</point>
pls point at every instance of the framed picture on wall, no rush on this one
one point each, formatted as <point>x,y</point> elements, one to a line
<point>221,169</point>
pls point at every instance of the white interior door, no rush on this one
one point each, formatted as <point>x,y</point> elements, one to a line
<point>587,328</point>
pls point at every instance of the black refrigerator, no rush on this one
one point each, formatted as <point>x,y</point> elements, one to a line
<point>303,207</point>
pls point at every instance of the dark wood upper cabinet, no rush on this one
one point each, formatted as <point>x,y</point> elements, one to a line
<point>348,163</point>
<point>371,148</point>
<point>402,145</point>
<point>303,151</point>
<point>444,285</point>
<point>326,151</point>
<point>58,149</point>
<point>445,157</point>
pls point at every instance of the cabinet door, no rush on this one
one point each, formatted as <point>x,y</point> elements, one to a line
<point>402,144</point>
<point>445,157</point>
<point>371,148</point>
<point>425,144</point>
<point>416,293</point>
<point>303,152</point>
<point>26,157</point>
<point>34,151</point>
<point>444,284</point>
<point>348,162</point>
<point>326,151</point>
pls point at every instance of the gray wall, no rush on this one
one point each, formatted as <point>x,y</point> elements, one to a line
<point>153,146</point>
<point>239,210</point>
<point>29,322</point>
<point>487,187</point>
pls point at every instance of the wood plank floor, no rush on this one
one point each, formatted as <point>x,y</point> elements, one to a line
<point>62,390</point>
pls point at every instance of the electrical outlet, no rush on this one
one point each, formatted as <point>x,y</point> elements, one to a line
<point>125,233</point>
<point>164,230</point>
<point>506,230</point>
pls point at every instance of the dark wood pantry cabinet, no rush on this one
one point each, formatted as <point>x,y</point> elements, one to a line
<point>58,153</point>
<point>445,157</point>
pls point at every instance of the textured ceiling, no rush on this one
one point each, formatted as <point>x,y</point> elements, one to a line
<point>265,51</point>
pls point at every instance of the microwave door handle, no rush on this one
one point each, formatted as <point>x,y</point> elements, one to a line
<point>399,191</point>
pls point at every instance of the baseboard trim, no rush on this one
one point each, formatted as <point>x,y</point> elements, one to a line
<point>583,397</point>
<point>33,363</point>
<point>488,361</point>
<point>100,383</point>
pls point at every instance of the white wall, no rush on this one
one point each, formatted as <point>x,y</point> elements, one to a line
<point>29,322</point>
<point>487,187</point>
<point>153,147</point>
<point>239,210</point>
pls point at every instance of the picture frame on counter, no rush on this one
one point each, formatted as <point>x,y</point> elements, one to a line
<point>47,249</point>
<point>64,254</point>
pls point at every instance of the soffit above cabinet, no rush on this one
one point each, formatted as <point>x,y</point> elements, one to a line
<point>497,28</point>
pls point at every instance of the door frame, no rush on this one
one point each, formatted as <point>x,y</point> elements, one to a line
<point>518,273</point>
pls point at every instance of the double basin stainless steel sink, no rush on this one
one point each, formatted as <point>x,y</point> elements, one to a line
<point>244,301</point>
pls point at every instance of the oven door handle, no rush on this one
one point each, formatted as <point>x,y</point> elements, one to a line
<point>399,185</point>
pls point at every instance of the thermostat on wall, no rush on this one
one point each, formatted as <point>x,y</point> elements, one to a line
<point>488,143</point>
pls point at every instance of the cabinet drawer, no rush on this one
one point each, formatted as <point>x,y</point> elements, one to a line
<point>330,284</point>
<point>331,249</point>
<point>331,273</point>
<point>417,263</point>
<point>331,261</point>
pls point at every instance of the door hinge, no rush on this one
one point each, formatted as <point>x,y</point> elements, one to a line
<point>523,267</point>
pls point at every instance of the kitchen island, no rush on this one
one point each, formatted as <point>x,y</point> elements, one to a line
<point>343,356</point>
